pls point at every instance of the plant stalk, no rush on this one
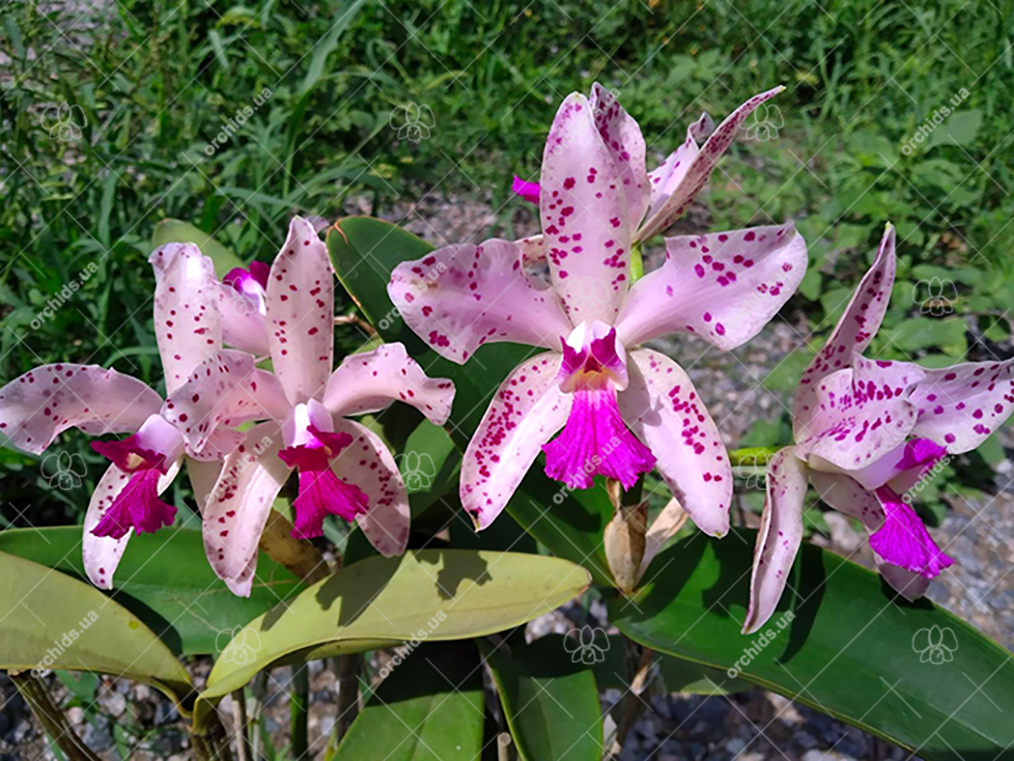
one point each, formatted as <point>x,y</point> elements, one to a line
<point>34,691</point>
<point>300,710</point>
<point>240,724</point>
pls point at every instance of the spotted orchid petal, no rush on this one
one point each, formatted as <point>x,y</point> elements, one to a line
<point>622,138</point>
<point>239,505</point>
<point>700,169</point>
<point>223,392</point>
<point>900,468</point>
<point>300,313</point>
<point>459,297</point>
<point>371,380</point>
<point>960,406</point>
<point>586,224</point>
<point>779,536</point>
<point>860,413</point>
<point>667,177</point>
<point>368,464</point>
<point>854,331</point>
<point>39,405</point>
<point>723,287</point>
<point>663,410</point>
<point>101,554</point>
<point>903,548</point>
<point>187,326</point>
<point>526,411</point>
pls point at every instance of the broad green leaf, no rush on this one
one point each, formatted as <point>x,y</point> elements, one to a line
<point>176,231</point>
<point>908,672</point>
<point>549,697</point>
<point>428,708</point>
<point>424,594</point>
<point>960,128</point>
<point>695,679</point>
<point>364,251</point>
<point>53,621</point>
<point>919,333</point>
<point>165,580</point>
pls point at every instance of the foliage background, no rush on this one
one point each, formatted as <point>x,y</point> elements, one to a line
<point>110,113</point>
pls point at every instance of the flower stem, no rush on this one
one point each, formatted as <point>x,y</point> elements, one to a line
<point>60,732</point>
<point>299,708</point>
<point>636,263</point>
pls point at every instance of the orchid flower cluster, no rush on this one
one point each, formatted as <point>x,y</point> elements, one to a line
<point>593,398</point>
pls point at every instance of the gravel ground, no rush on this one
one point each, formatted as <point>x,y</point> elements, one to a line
<point>752,726</point>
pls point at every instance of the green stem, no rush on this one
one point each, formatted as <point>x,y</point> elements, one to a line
<point>636,263</point>
<point>34,691</point>
<point>749,456</point>
<point>300,710</point>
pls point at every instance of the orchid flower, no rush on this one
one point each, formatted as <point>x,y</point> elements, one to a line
<point>866,432</point>
<point>622,409</point>
<point>344,468</point>
<point>48,400</point>
<point>672,185</point>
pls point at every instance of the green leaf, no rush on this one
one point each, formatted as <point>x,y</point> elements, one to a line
<point>424,594</point>
<point>692,678</point>
<point>364,251</point>
<point>165,580</point>
<point>908,672</point>
<point>549,697</point>
<point>960,128</point>
<point>175,231</point>
<point>429,708</point>
<point>55,621</point>
<point>326,45</point>
<point>919,333</point>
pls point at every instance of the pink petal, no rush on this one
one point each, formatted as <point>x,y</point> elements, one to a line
<point>526,411</point>
<point>533,250</point>
<point>371,380</point>
<point>300,312</point>
<point>622,137</point>
<point>902,467</point>
<point>701,167</point>
<point>855,329</point>
<point>243,315</point>
<point>960,406</point>
<point>239,505</point>
<point>667,177</point>
<point>203,476</point>
<point>459,297</point>
<point>723,287</point>
<point>779,536</point>
<point>594,442</point>
<point>225,391</point>
<point>137,507</point>
<point>101,555</point>
<point>367,463</point>
<point>903,539</point>
<point>586,222</point>
<point>187,326</point>
<point>664,411</point>
<point>48,400</point>
<point>846,496</point>
<point>860,414</point>
<point>527,190</point>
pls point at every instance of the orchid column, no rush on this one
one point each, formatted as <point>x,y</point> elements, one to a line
<point>623,410</point>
